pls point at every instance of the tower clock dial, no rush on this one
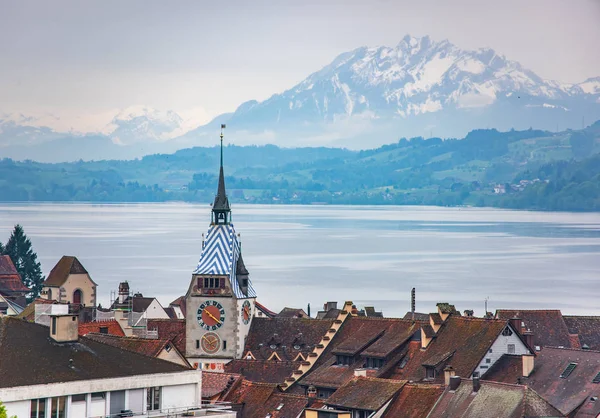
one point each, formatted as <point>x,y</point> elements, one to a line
<point>211,315</point>
<point>246,312</point>
<point>210,343</point>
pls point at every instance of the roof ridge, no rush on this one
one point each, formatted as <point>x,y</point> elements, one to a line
<point>586,350</point>
<point>528,310</point>
<point>381,379</point>
<point>424,385</point>
<point>126,338</point>
<point>582,316</point>
<point>515,385</point>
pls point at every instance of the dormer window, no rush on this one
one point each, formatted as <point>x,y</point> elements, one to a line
<point>343,360</point>
<point>296,347</point>
<point>507,332</point>
<point>374,363</point>
<point>273,346</point>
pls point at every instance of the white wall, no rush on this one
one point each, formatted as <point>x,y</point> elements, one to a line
<point>179,396</point>
<point>500,347</point>
<point>136,400</point>
<point>155,311</point>
<point>98,408</point>
<point>78,409</point>
<point>19,408</point>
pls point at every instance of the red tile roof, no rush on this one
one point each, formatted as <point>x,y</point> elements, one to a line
<point>280,405</point>
<point>252,396</point>
<point>10,280</point>
<point>113,327</point>
<point>414,401</point>
<point>548,326</point>
<point>269,313</point>
<point>492,400</point>
<point>180,301</point>
<point>170,329</point>
<point>214,383</point>
<point>146,346</point>
<point>568,393</point>
<point>263,371</point>
<point>365,393</point>
<point>587,329</point>
<point>285,336</point>
<point>66,266</point>
<point>507,369</point>
<point>292,313</point>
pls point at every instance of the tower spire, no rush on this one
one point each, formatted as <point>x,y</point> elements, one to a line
<point>221,210</point>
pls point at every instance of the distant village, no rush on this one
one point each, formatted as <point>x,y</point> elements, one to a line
<point>216,351</point>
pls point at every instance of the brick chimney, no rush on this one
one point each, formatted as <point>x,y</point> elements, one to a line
<point>449,373</point>
<point>528,363</point>
<point>528,337</point>
<point>360,372</point>
<point>476,384</point>
<point>515,323</point>
<point>454,382</point>
<point>64,328</point>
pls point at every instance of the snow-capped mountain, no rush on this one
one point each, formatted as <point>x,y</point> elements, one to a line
<point>414,88</point>
<point>142,123</point>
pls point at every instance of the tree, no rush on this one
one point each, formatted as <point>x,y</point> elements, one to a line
<point>19,249</point>
<point>3,413</point>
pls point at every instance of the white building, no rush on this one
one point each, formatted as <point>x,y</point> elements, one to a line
<point>51,372</point>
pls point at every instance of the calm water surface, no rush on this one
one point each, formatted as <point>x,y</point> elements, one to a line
<point>302,254</point>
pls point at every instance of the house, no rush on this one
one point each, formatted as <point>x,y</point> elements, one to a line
<point>330,311</point>
<point>262,311</point>
<point>584,331</point>
<point>143,308</point>
<point>413,401</point>
<point>161,349</point>
<point>48,369</point>
<point>69,282</point>
<point>548,326</point>
<point>292,313</point>
<point>362,396</point>
<point>12,289</point>
<point>169,329</point>
<point>569,379</point>
<point>177,308</point>
<point>464,398</point>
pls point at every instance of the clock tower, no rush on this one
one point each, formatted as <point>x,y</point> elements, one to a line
<point>220,298</point>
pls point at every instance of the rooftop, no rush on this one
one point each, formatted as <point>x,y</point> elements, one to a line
<point>263,371</point>
<point>586,329</point>
<point>169,329</point>
<point>365,393</point>
<point>66,266</point>
<point>548,326</point>
<point>145,346</point>
<point>112,327</point>
<point>413,401</point>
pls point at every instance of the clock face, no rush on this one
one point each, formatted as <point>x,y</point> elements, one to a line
<point>210,343</point>
<point>211,315</point>
<point>246,312</point>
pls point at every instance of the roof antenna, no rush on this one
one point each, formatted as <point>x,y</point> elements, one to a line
<point>486,301</point>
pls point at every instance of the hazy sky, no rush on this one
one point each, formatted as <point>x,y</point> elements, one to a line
<point>85,59</point>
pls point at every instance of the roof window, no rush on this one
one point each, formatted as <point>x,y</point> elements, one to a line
<point>568,370</point>
<point>597,378</point>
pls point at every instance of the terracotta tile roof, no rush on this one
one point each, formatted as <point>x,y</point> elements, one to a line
<point>60,272</point>
<point>428,330</point>
<point>285,336</point>
<point>467,339</point>
<point>28,313</point>
<point>10,280</point>
<point>251,396</point>
<point>263,371</point>
<point>280,405</point>
<point>170,329</point>
<point>507,369</point>
<point>331,375</point>
<point>145,346</point>
<point>214,384</point>
<point>112,326</point>
<point>365,393</point>
<point>490,401</point>
<point>548,326</point>
<point>414,401</point>
<point>566,394</point>
<point>269,313</point>
<point>587,328</point>
<point>437,318</point>
<point>30,357</point>
<point>394,336</point>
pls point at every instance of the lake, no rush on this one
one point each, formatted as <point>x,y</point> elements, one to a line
<point>372,255</point>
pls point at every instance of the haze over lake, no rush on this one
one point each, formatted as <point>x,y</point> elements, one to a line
<point>300,254</point>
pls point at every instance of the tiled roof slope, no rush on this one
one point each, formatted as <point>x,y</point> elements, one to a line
<point>566,394</point>
<point>145,346</point>
<point>418,316</point>
<point>461,342</point>
<point>251,396</point>
<point>414,401</point>
<point>29,357</point>
<point>284,334</point>
<point>365,393</point>
<point>214,383</point>
<point>269,313</point>
<point>10,280</point>
<point>493,400</point>
<point>587,328</point>
<point>180,301</point>
<point>548,326</point>
<point>60,272</point>
<point>170,329</point>
<point>112,326</point>
<point>282,405</point>
<point>508,369</point>
<point>263,371</point>
<point>292,313</point>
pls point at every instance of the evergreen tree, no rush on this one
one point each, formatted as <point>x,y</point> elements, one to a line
<point>25,260</point>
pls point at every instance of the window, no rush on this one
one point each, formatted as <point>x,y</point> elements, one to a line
<point>224,345</point>
<point>490,351</point>
<point>212,282</point>
<point>475,374</point>
<point>103,330</point>
<point>296,347</point>
<point>59,406</point>
<point>511,349</point>
<point>197,343</point>
<point>596,379</point>
<point>168,348</point>
<point>38,408</point>
<point>483,366</point>
<point>361,414</point>
<point>244,282</point>
<point>374,363</point>
<point>429,373</point>
<point>343,360</point>
<point>403,362</point>
<point>78,398</point>
<point>568,370</point>
<point>488,360</point>
<point>507,332</point>
<point>273,346</point>
<point>98,395</point>
<point>53,325</point>
<point>153,399</point>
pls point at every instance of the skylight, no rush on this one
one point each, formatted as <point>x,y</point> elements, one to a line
<point>568,370</point>
<point>597,378</point>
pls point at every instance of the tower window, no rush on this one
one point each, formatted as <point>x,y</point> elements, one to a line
<point>212,282</point>
<point>224,345</point>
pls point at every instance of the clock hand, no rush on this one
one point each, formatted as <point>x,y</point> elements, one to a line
<point>212,316</point>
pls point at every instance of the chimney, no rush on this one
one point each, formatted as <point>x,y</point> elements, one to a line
<point>476,384</point>
<point>528,363</point>
<point>454,382</point>
<point>64,328</point>
<point>360,372</point>
<point>312,391</point>
<point>123,292</point>
<point>515,323</point>
<point>449,373</point>
<point>528,336</point>
<point>413,303</point>
<point>354,310</point>
<point>469,313</point>
<point>329,306</point>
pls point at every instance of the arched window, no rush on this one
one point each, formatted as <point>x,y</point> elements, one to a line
<point>77,297</point>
